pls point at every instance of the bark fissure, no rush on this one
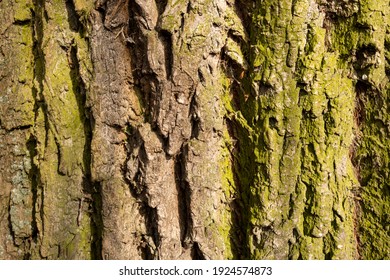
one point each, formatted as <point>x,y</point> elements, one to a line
<point>38,225</point>
<point>184,198</point>
<point>34,177</point>
<point>96,223</point>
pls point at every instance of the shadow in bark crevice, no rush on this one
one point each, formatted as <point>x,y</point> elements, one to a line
<point>184,199</point>
<point>96,222</point>
<point>196,252</point>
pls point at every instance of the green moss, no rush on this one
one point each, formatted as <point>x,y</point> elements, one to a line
<point>229,190</point>
<point>22,10</point>
<point>84,7</point>
<point>63,74</point>
<point>372,156</point>
<point>294,128</point>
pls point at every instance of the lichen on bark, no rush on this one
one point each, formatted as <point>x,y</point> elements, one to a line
<point>194,129</point>
<point>45,201</point>
<point>299,121</point>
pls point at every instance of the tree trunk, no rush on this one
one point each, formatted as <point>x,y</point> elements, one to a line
<point>194,129</point>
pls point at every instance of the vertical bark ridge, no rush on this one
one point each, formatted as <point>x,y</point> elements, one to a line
<point>15,122</point>
<point>113,104</point>
<point>366,41</point>
<point>298,136</point>
<point>48,214</point>
<point>371,72</point>
<point>178,119</point>
<point>65,231</point>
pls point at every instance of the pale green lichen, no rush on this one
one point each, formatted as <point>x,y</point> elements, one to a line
<point>292,135</point>
<point>22,10</point>
<point>62,77</point>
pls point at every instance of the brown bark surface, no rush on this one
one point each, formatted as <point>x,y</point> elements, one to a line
<point>194,129</point>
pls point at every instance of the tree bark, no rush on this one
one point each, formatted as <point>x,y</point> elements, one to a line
<point>194,129</point>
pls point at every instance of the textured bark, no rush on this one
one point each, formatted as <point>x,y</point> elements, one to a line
<point>194,129</point>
